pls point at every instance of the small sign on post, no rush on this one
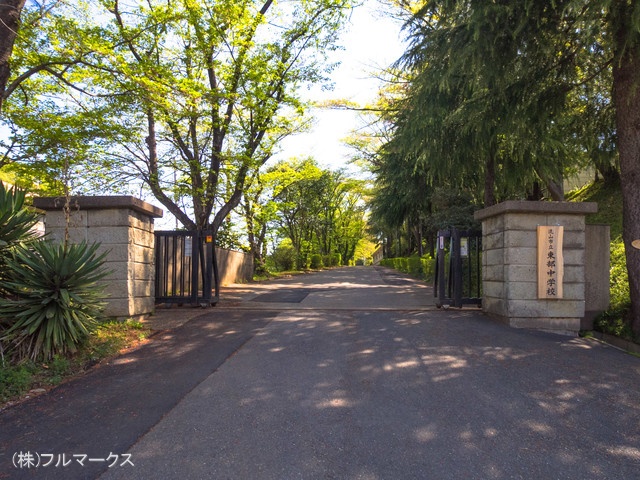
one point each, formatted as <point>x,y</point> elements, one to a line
<point>550,261</point>
<point>464,247</point>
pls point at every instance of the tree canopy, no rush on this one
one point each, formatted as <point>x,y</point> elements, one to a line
<point>188,97</point>
<point>319,211</point>
<point>507,98</point>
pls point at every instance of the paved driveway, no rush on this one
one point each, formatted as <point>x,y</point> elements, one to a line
<point>282,382</point>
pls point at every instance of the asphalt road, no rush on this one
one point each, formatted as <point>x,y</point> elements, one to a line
<point>345,374</point>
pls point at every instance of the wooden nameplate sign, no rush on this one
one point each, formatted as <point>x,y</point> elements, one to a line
<point>550,262</point>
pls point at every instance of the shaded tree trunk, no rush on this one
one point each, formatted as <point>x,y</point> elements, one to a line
<point>626,97</point>
<point>490,181</point>
<point>256,239</point>
<point>10,11</point>
<point>535,194</point>
<point>556,189</point>
<point>609,172</point>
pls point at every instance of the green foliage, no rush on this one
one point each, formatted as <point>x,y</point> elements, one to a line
<point>321,212</point>
<point>611,322</point>
<point>334,260</point>
<point>451,208</point>
<point>615,320</point>
<point>414,265</point>
<point>495,102</point>
<point>619,277</point>
<point>420,267</point>
<point>365,249</point>
<point>189,98</point>
<point>609,200</point>
<point>16,222</point>
<point>506,98</point>
<point>14,380</point>
<point>284,257</point>
<point>316,261</point>
<point>53,299</point>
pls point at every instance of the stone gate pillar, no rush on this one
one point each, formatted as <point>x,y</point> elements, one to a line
<point>123,225</point>
<point>528,280</point>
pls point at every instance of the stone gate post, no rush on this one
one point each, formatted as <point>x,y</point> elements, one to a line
<point>529,278</point>
<point>124,226</point>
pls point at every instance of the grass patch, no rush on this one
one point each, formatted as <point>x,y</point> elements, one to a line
<point>109,340</point>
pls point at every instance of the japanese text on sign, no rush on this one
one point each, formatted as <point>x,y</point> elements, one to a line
<point>29,460</point>
<point>550,261</point>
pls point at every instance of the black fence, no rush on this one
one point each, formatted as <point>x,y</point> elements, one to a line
<point>186,268</point>
<point>458,276</point>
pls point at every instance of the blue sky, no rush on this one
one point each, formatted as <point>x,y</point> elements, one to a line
<point>372,42</point>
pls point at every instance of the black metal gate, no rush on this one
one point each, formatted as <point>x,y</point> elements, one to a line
<point>186,268</point>
<point>458,277</point>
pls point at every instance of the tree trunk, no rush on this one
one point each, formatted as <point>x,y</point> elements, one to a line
<point>626,97</point>
<point>10,11</point>
<point>556,189</point>
<point>490,181</point>
<point>608,170</point>
<point>535,195</point>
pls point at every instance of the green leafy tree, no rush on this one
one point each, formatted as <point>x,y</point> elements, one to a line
<point>10,11</point>
<point>260,213</point>
<point>320,212</point>
<point>622,22</point>
<point>350,222</point>
<point>188,97</point>
<point>297,199</point>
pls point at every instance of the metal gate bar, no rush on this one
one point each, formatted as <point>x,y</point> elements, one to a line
<point>458,277</point>
<point>186,268</point>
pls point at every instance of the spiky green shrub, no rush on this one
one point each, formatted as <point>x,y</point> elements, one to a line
<point>54,298</point>
<point>16,222</point>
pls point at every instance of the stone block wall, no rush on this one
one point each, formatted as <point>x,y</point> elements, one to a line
<point>124,228</point>
<point>597,273</point>
<point>509,264</point>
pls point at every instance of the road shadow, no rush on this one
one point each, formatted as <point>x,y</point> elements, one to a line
<point>427,394</point>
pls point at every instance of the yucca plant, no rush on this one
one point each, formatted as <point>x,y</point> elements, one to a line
<point>54,299</point>
<point>16,222</point>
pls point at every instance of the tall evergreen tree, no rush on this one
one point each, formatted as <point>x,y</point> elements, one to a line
<point>502,95</point>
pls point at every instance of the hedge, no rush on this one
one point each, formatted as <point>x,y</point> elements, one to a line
<point>421,267</point>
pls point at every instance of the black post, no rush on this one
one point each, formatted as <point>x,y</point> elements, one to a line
<point>457,268</point>
<point>195,265</point>
<point>440,268</point>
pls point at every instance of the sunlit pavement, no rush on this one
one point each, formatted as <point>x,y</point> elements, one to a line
<point>333,389</point>
<point>352,288</point>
